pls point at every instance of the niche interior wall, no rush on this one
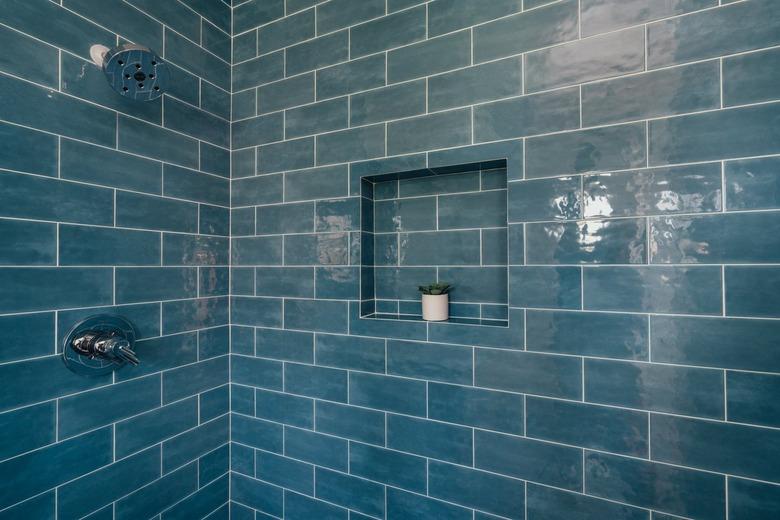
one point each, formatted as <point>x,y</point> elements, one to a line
<point>638,375</point>
<point>114,206</point>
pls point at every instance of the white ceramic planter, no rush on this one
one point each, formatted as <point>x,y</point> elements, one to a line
<point>436,307</point>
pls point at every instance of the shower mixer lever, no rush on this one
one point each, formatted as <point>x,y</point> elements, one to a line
<point>108,345</point>
<point>99,345</point>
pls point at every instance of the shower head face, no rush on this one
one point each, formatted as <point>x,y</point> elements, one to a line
<point>136,72</point>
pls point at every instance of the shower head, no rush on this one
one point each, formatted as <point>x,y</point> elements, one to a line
<point>134,71</point>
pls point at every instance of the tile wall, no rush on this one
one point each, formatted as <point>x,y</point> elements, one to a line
<point>111,206</point>
<point>639,374</point>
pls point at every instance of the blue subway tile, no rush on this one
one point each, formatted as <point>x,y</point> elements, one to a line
<point>355,144</point>
<point>540,374</point>
<point>257,312</point>
<point>600,16</point>
<point>285,32</point>
<point>257,251</point>
<point>752,184</point>
<point>29,243</point>
<point>141,284</point>
<point>258,130</point>
<point>32,59</point>
<point>28,150</point>
<point>352,76</point>
<point>354,493</point>
<point>285,281</point>
<point>26,429</point>
<point>749,78</point>
<point>192,185</point>
<point>476,407</point>
<point>401,504</point>
<point>319,449</point>
<point>477,489</point>
<point>432,361</point>
<point>388,466</point>
<point>300,507</point>
<point>552,504</point>
<point>158,213</point>
<point>750,398</point>
<point>193,379</point>
<point>258,495</point>
<point>430,439</point>
<point>545,199</point>
<point>207,498</point>
<point>258,71</point>
<point>389,393</point>
<point>351,422</point>
<point>257,433</point>
<point>251,371</point>
<point>284,472</point>
<point>316,183</point>
<point>158,495</point>
<point>429,57</point>
<point>284,408</point>
<point>319,382</point>
<point>471,210</point>
<point>754,500</point>
<point>343,13</point>
<point>749,291</point>
<point>285,345</point>
<point>161,354</point>
<point>440,130</point>
<point>180,316</point>
<point>315,315</point>
<point>545,287</point>
<point>194,443</point>
<point>388,32</point>
<point>192,249</point>
<point>317,118</point>
<point>156,142</point>
<point>286,155</point>
<point>214,403</point>
<point>25,289</point>
<point>83,162</point>
<point>317,53</point>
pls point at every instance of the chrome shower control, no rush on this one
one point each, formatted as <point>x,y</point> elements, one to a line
<point>99,344</point>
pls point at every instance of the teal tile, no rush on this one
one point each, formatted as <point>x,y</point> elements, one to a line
<point>477,489</point>
<point>524,32</point>
<point>193,185</point>
<point>337,215</point>
<point>214,159</point>
<point>256,494</point>
<point>468,86</point>
<point>158,143</point>
<point>401,283</point>
<point>82,245</point>
<point>545,502</point>
<point>217,13</point>
<point>251,191</point>
<point>352,76</point>
<point>428,132</point>
<point>351,422</point>
<point>242,221</point>
<point>29,243</point>
<point>195,59</point>
<point>195,443</point>
<point>365,354</point>
<point>657,191</point>
<point>621,336</point>
<point>316,183</point>
<point>284,408</point>
<point>257,251</point>
<point>448,16</point>
<point>343,13</point>
<point>158,213</point>
<point>242,163</point>
<point>546,463</point>
<point>738,132</point>
<point>42,288</point>
<point>753,184</point>
<point>317,249</point>
<point>595,58</point>
<point>608,148</point>
<point>256,12</point>
<point>151,498</point>
<point>660,487</point>
<point>300,507</point>
<point>438,184</point>
<point>285,218</point>
<point>196,123</point>
<point>545,199</point>
<point>401,504</point>
<point>729,239</point>
<point>355,144</point>
<point>317,53</point>
<point>317,118</point>
<point>518,117</point>
<point>525,372</point>
<point>430,439</point>
<point>207,498</point>
<point>17,344</point>
<point>388,466</point>
<point>545,287</point>
<point>681,390</point>
<point>750,78</point>
<point>177,17</point>
<point>388,393</point>
<point>430,361</point>
<point>722,447</point>
<point>285,32</point>
<point>476,284</point>
<point>653,94</point>
<point>258,71</point>
<point>417,214</point>
<point>322,383</point>
<point>137,284</point>
<point>27,150</point>
<point>162,353</point>
<point>285,281</point>
<point>472,210</point>
<point>429,57</point>
<point>180,316</point>
<point>354,493</point>
<point>285,345</point>
<point>258,130</point>
<point>31,59</point>
<point>214,220</point>
<point>750,398</point>
<point>600,16</point>
<point>749,499</point>
<point>319,449</point>
<point>732,29</point>
<point>498,411</point>
<point>316,315</point>
<point>54,112</point>
<point>392,102</point>
<point>244,46</point>
<point>257,312</point>
<point>749,291</point>
<point>390,31</point>
<point>439,247</point>
<point>41,506</point>
<point>121,18</point>
<point>290,92</point>
<point>186,87</point>
<point>338,283</point>
<point>619,241</point>
<point>679,290</point>
<point>284,472</point>
<point>27,429</point>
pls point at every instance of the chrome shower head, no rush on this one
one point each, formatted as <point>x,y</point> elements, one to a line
<point>134,71</point>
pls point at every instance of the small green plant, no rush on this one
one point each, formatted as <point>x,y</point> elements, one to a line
<point>436,288</point>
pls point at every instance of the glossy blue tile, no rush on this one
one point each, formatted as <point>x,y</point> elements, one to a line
<point>356,144</point>
<point>545,199</point>
<point>679,40</point>
<point>151,498</point>
<point>24,289</point>
<point>285,281</point>
<point>258,71</point>
<point>750,398</point>
<point>257,130</point>
<point>285,345</point>
<point>337,215</point>
<point>191,249</point>
<point>523,32</point>
<point>319,382</point>
<point>429,57</point>
<point>214,403</point>
<point>388,466</point>
<point>401,504</point>
<point>324,116</point>
<point>27,150</point>
<point>343,13</point>
<point>161,354</point>
<point>41,506</point>
<point>316,183</point>
<point>752,184</point>
<point>158,213</point>
<point>261,373</point>
<point>258,495</point>
<point>285,32</point>
<point>476,407</point>
<point>286,155</point>
<point>284,408</point>
<point>678,189</point>
<point>430,439</point>
<point>679,290</point>
<point>484,209</point>
<point>284,472</point>
<point>431,361</point>
<point>192,185</point>
<point>180,316</point>
<point>608,148</point>
<point>256,433</point>
<point>156,142</point>
<point>416,214</point>
<point>141,284</point>
<point>551,464</point>
<point>315,315</point>
<point>300,507</point>
<point>257,251</point>
<point>195,443</point>
<point>354,493</point>
<point>207,498</point>
<point>440,130</point>
<point>657,486</point>
<point>317,53</point>
<point>26,429</point>
<point>338,283</point>
<point>443,247</point>
<point>749,291</point>
<point>749,78</point>
<point>539,374</point>
<point>352,76</point>
<point>317,249</point>
<point>28,243</point>
<point>749,499</point>
<point>257,312</point>
<point>606,15</point>
<point>319,449</point>
<point>544,503</point>
<point>545,287</point>
<point>29,53</point>
<point>477,489</point>
<point>294,91</point>
<point>388,32</point>
<point>587,242</point>
<point>351,422</point>
<point>43,469</point>
<point>393,394</point>
<point>193,379</point>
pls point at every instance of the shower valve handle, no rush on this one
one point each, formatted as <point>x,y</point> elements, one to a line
<point>105,344</point>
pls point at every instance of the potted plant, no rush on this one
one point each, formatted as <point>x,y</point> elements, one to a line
<point>435,301</point>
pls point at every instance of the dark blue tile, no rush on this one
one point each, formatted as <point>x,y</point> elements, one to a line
<point>352,76</point>
<point>284,472</point>
<point>338,215</point>
<point>526,31</point>
<point>207,498</point>
<point>195,443</point>
<point>752,500</point>
<point>319,382</point>
<point>294,91</point>
<point>356,144</point>
<point>750,78</point>
<point>32,60</point>
<point>285,218</point>
<point>317,249</point>
<point>257,433</point>
<point>148,212</point>
<point>317,183</point>
<point>680,189</point>
<point>286,155</point>
<point>139,284</point>
<point>471,210</point>
<point>750,398</point>
<point>28,243</point>
<point>599,149</point>
<point>317,53</point>
<point>214,403</point>
<point>316,315</point>
<point>476,407</point>
<point>753,184</point>
<point>261,373</point>
<point>257,251</point>
<point>285,345</point>
<point>393,394</point>
<point>430,439</point>
<point>41,506</point>
<point>545,199</point>
<point>80,245</point>
<point>26,429</point>
<point>161,354</point>
<point>446,17</point>
<point>749,291</point>
<point>540,374</point>
<point>338,283</point>
<point>546,503</point>
<point>715,342</point>
<point>156,142</point>
<point>655,486</point>
<point>388,466</point>
<point>257,130</point>
<point>27,150</point>
<point>440,130</point>
<point>319,449</point>
<point>401,504</point>
<point>432,361</point>
<point>620,241</point>
<point>545,287</point>
<point>25,289</point>
<point>256,494</point>
<point>183,183</point>
<point>193,249</point>
<point>213,220</point>
<point>354,493</point>
<point>296,282</point>
<point>180,316</point>
<point>429,57</point>
<point>193,379</point>
<point>300,507</point>
<point>680,290</point>
<point>388,32</point>
<point>257,312</point>
<point>680,39</point>
<point>264,189</point>
<point>414,214</point>
<point>527,459</point>
<point>343,13</point>
<point>284,408</point>
<point>724,134</point>
<point>351,422</point>
<point>477,489</point>
<point>158,495</point>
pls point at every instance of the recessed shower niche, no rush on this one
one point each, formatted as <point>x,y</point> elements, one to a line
<point>446,225</point>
